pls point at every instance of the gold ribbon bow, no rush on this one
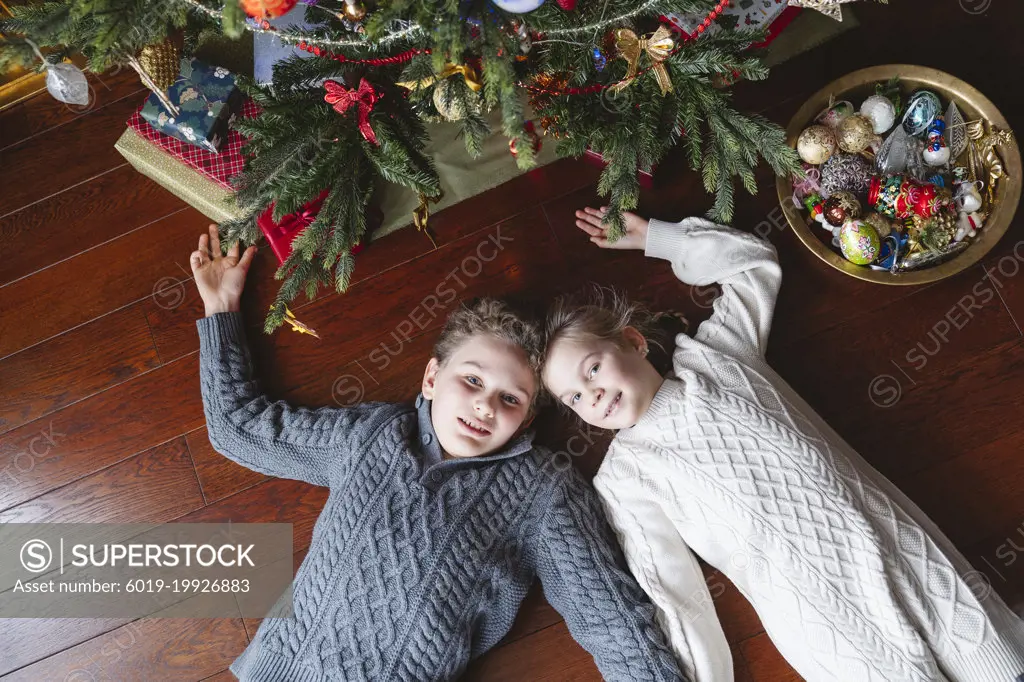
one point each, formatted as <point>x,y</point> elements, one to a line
<point>467,71</point>
<point>658,47</point>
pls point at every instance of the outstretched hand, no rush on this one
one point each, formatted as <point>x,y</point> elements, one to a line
<point>589,220</point>
<point>220,278</point>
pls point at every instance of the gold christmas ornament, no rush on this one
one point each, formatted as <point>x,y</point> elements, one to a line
<point>450,107</point>
<point>658,47</point>
<point>855,133</point>
<point>354,10</point>
<point>816,144</point>
<point>162,61</point>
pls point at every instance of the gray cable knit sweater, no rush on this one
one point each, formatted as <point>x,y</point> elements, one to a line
<point>418,565</point>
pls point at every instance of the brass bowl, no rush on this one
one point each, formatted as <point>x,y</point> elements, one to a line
<point>856,87</point>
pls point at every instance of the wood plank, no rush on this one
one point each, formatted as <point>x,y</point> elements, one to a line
<point>974,495</point>
<point>218,475</point>
<point>765,663</point>
<point>1005,264</point>
<point>737,616</point>
<point>222,676</point>
<point>65,225</point>
<point>905,440</point>
<point>535,614</point>
<point>41,114</point>
<point>28,640</point>
<point>551,654</point>
<point>99,431</point>
<point>155,486</point>
<point>275,501</point>
<point>143,263</point>
<point>93,357</point>
<point>998,560</point>
<point>145,650</point>
<point>91,136</point>
<point>741,672</point>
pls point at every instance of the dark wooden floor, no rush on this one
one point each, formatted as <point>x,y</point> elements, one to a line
<point>100,410</point>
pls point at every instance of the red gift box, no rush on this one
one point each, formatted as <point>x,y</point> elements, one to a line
<point>282,234</point>
<point>218,167</point>
<point>646,177</point>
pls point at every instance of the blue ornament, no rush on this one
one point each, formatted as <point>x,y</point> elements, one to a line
<point>600,61</point>
<point>518,6</point>
<point>892,246</point>
<point>922,109</point>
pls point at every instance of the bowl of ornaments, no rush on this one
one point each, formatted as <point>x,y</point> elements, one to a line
<point>910,175</point>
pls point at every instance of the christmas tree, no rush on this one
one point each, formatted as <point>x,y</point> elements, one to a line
<point>604,75</point>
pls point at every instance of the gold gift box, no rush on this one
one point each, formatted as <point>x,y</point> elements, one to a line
<point>188,184</point>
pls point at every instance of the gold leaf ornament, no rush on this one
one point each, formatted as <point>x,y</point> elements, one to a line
<point>658,47</point>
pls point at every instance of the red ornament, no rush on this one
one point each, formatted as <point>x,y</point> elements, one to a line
<point>267,8</point>
<point>365,98</point>
<point>567,5</point>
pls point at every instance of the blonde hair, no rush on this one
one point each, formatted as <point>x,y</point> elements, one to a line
<point>594,314</point>
<point>499,319</point>
<point>602,313</point>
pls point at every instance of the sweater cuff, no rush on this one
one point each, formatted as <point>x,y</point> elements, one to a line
<point>222,328</point>
<point>666,240</point>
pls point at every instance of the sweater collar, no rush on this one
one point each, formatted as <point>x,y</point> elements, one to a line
<point>431,448</point>
<point>660,404</point>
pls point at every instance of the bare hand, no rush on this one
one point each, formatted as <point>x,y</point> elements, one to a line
<point>589,220</point>
<point>220,278</point>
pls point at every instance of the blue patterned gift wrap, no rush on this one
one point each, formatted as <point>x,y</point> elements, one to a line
<point>207,99</point>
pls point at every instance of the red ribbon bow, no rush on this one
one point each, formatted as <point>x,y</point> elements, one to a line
<point>365,97</point>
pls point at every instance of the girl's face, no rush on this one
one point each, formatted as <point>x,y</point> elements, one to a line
<point>609,385</point>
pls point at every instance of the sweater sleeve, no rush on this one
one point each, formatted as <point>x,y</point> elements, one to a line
<point>669,573</point>
<point>746,267</point>
<point>270,437</point>
<point>581,570</point>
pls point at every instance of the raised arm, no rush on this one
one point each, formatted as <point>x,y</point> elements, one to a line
<point>270,437</point>
<point>274,438</point>
<point>581,569</point>
<point>746,267</point>
<point>668,572</point>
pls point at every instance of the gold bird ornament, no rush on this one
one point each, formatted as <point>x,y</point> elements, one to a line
<point>658,47</point>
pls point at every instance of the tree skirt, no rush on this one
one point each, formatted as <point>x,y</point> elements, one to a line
<point>461,175</point>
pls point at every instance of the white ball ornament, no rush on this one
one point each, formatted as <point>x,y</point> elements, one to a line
<point>518,6</point>
<point>880,111</point>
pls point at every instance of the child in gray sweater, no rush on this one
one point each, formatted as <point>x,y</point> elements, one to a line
<point>439,515</point>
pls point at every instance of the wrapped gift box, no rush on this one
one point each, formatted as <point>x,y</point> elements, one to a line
<point>281,234</point>
<point>207,196</point>
<point>769,15</point>
<point>206,96</point>
<point>216,167</point>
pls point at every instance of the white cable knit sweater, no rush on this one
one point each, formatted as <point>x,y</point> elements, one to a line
<point>850,579</point>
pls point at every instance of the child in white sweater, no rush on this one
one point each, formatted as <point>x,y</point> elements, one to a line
<point>850,579</point>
